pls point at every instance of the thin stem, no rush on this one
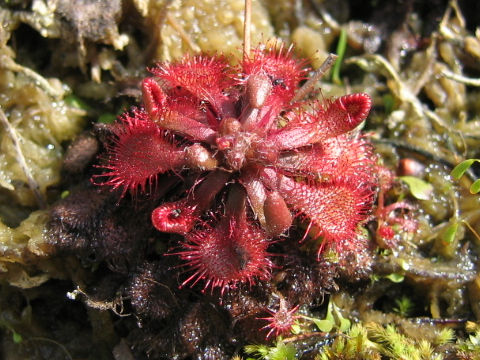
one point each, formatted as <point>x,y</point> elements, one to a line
<point>61,346</point>
<point>246,29</point>
<point>185,37</point>
<point>32,183</point>
<point>472,229</point>
<point>9,64</point>
<point>460,78</point>
<point>341,48</point>
<point>309,85</point>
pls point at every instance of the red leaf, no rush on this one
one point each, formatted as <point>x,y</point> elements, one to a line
<point>140,151</point>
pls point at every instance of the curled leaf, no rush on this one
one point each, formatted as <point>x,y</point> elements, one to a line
<point>475,188</point>
<point>459,170</point>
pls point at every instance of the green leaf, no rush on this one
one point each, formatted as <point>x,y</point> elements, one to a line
<point>296,329</point>
<point>329,316</point>
<point>261,350</point>
<point>341,323</point>
<point>404,264</point>
<point>388,103</point>
<point>459,170</point>
<point>475,187</point>
<point>74,101</point>
<point>324,325</point>
<point>250,349</point>
<point>106,118</point>
<point>475,340</point>
<point>17,338</point>
<point>344,325</point>
<point>419,188</point>
<point>449,235</point>
<point>396,278</point>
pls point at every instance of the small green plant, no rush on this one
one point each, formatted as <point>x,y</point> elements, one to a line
<point>7,325</point>
<point>280,351</point>
<point>403,306</point>
<point>394,345</point>
<point>375,342</point>
<point>354,345</point>
<point>333,320</point>
<point>471,345</point>
<point>393,277</point>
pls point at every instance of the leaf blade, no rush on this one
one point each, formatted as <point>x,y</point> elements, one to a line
<point>459,170</point>
<point>324,325</point>
<point>449,235</point>
<point>419,188</point>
